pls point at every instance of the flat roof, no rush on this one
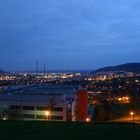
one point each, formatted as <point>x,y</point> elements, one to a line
<point>45,94</point>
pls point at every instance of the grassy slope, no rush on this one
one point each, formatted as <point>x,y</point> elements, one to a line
<point>12,130</point>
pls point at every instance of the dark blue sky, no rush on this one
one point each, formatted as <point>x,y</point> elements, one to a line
<point>68,34</point>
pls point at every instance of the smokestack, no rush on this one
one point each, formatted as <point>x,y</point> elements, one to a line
<point>44,69</point>
<point>36,67</point>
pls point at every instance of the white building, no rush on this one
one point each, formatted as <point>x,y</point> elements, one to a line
<point>49,103</point>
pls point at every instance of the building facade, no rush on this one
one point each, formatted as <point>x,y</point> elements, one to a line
<point>51,103</point>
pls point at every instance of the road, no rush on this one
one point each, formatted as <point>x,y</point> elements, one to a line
<point>128,119</point>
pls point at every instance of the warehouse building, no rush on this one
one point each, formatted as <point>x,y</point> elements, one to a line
<point>49,102</point>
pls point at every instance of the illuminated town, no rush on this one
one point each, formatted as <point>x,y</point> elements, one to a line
<point>69,96</point>
<point>69,69</point>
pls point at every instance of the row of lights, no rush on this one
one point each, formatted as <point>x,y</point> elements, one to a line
<point>47,113</point>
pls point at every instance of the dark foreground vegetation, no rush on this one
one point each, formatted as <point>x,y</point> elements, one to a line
<point>18,130</point>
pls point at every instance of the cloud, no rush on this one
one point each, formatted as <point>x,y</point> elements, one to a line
<point>42,29</point>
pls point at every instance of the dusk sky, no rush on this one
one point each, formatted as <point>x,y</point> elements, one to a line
<point>68,34</point>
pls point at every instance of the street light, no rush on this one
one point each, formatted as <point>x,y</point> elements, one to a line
<point>47,113</point>
<point>132,114</point>
<point>87,120</point>
<point>4,118</point>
